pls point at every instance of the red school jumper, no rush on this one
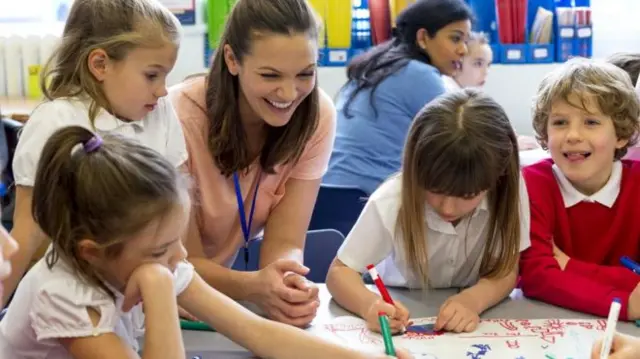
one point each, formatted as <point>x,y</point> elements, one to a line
<point>593,235</point>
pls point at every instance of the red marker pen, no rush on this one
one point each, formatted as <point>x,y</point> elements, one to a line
<point>378,282</point>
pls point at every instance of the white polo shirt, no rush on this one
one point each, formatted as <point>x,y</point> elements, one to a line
<point>454,253</point>
<point>159,130</point>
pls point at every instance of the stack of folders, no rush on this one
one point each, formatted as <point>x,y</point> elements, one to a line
<point>511,20</point>
<point>542,27</point>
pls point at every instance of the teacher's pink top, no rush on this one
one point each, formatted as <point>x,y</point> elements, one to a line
<point>215,206</point>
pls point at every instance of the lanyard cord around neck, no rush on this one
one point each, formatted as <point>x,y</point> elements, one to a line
<point>246,227</point>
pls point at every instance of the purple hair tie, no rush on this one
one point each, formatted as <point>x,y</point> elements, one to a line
<point>93,144</point>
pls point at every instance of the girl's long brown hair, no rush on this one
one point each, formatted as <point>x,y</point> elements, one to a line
<point>105,195</point>
<point>459,145</point>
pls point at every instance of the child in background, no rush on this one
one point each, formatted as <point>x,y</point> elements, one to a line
<point>108,74</point>
<point>475,64</point>
<point>584,200</point>
<point>460,177</point>
<point>115,211</point>
<point>474,71</point>
<point>629,62</point>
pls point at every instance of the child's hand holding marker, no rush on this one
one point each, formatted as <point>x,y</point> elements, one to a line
<point>606,346</point>
<point>457,315</point>
<point>389,348</point>
<point>397,313</point>
<point>622,347</point>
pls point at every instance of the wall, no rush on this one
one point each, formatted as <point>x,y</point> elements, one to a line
<point>615,29</point>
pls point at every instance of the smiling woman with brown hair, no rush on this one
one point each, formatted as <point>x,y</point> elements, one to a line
<point>259,133</point>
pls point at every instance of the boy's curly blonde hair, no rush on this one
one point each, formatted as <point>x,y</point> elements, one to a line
<point>586,79</point>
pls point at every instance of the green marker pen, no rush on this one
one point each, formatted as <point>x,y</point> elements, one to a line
<point>386,334</point>
<point>199,326</point>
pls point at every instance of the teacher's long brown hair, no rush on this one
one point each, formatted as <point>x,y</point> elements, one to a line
<point>227,143</point>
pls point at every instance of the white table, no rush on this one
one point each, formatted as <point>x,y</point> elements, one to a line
<point>209,345</point>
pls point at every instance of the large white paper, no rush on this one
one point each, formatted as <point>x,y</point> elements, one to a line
<point>493,339</point>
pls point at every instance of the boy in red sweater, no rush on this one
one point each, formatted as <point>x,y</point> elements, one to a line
<point>584,201</point>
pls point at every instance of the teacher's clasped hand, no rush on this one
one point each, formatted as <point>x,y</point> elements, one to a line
<point>284,294</point>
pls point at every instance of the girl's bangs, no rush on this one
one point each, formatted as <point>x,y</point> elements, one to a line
<point>458,171</point>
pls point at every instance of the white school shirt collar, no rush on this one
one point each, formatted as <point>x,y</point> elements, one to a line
<point>436,223</point>
<point>606,196</point>
<point>105,121</point>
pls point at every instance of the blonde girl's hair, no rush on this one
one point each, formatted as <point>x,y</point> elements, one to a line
<point>460,145</point>
<point>115,26</point>
<point>478,37</point>
<point>105,194</point>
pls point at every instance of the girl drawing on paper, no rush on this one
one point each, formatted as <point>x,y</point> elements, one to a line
<point>455,216</point>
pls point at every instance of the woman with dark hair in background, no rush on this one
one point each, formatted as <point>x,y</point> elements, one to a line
<point>389,84</point>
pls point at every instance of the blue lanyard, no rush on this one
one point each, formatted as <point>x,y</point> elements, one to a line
<point>246,227</point>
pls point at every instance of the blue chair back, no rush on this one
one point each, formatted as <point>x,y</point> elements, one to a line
<point>10,132</point>
<point>337,207</point>
<point>320,248</point>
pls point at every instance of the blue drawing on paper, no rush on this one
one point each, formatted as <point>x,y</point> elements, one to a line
<point>423,329</point>
<point>478,351</point>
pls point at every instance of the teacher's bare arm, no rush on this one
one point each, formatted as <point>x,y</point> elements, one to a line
<point>287,225</point>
